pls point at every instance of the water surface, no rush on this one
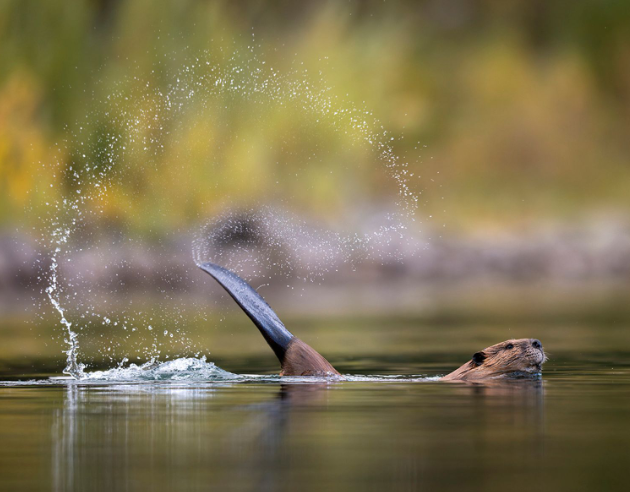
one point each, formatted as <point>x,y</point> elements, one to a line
<point>568,431</point>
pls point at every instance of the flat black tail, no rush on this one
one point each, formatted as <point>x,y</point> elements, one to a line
<point>275,333</point>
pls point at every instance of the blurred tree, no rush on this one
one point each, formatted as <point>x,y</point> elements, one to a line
<point>523,107</point>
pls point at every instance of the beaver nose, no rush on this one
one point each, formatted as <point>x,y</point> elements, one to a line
<point>536,344</point>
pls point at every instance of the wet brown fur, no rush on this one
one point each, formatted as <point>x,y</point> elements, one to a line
<point>302,360</point>
<point>522,357</point>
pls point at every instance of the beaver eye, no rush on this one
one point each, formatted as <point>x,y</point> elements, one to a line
<point>509,346</point>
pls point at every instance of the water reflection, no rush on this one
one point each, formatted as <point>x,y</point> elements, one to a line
<point>273,437</point>
<point>108,434</point>
<point>264,433</point>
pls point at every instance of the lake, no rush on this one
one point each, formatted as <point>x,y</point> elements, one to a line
<point>568,431</point>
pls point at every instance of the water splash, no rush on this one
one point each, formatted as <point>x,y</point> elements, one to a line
<point>138,124</point>
<point>182,369</point>
<point>73,367</point>
<point>273,239</point>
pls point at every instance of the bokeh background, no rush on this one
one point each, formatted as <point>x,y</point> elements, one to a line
<point>515,116</point>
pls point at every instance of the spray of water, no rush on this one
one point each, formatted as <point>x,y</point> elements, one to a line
<point>73,367</point>
<point>147,116</point>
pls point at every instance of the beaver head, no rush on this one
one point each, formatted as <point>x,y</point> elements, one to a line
<point>512,358</point>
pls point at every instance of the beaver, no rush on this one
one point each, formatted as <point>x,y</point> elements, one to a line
<point>512,358</point>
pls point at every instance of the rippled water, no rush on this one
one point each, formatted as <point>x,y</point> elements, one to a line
<point>189,425</point>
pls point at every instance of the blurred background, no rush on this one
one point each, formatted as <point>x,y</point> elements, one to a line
<point>513,116</point>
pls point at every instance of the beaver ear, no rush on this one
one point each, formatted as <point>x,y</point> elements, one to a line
<point>478,358</point>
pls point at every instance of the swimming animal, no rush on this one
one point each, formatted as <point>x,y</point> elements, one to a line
<point>512,358</point>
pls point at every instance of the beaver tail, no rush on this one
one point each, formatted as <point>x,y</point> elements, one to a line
<point>295,356</point>
<point>250,301</point>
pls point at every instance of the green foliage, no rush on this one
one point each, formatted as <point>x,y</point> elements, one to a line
<point>523,107</point>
